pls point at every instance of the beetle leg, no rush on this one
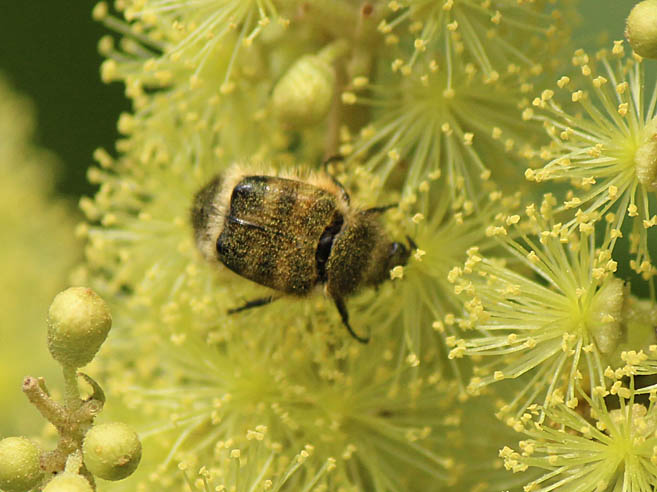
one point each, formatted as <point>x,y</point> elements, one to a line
<point>344,314</point>
<point>262,301</point>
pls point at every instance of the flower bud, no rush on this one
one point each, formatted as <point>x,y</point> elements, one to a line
<point>68,482</point>
<point>304,93</point>
<point>645,157</point>
<point>78,323</point>
<point>111,451</point>
<point>606,315</point>
<point>641,28</point>
<point>20,469</point>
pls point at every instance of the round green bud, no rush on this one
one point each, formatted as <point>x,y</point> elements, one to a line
<point>78,323</point>
<point>111,451</point>
<point>641,28</point>
<point>303,95</point>
<point>68,482</point>
<point>20,468</point>
<point>606,315</point>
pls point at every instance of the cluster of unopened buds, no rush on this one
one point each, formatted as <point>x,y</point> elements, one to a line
<point>78,323</point>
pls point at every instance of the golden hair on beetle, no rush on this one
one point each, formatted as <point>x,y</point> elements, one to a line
<point>220,200</point>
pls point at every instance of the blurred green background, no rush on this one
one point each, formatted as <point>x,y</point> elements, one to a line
<point>48,53</point>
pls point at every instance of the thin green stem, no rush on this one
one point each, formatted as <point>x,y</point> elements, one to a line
<point>71,388</point>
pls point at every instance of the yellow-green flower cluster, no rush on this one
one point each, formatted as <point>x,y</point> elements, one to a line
<point>493,34</point>
<point>606,442</point>
<point>425,299</point>
<point>267,468</point>
<point>440,120</point>
<point>603,143</point>
<point>450,104</point>
<point>555,313</point>
<point>358,406</point>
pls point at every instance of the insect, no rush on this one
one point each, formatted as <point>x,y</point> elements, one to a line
<point>294,235</point>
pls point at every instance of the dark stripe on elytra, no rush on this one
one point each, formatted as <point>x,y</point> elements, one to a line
<point>247,250</point>
<point>250,250</point>
<point>280,204</point>
<point>300,275</point>
<point>229,250</point>
<point>318,214</point>
<point>265,265</point>
<point>244,245</point>
<point>284,200</point>
<point>248,194</point>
